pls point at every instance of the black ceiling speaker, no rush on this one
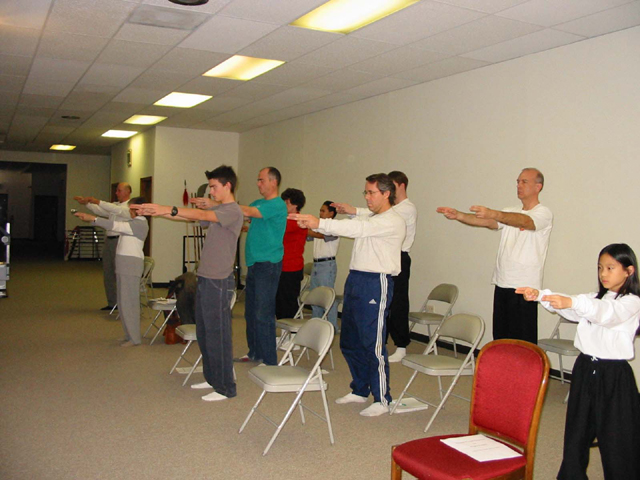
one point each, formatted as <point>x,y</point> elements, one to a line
<point>189,2</point>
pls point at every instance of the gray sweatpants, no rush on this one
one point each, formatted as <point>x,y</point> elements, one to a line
<point>109,269</point>
<point>128,274</point>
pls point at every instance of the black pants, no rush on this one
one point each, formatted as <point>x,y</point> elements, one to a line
<point>513,316</point>
<point>288,293</point>
<point>603,404</point>
<point>398,321</point>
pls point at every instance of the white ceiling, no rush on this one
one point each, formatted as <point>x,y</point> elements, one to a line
<point>105,60</point>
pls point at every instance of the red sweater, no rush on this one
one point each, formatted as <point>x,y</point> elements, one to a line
<point>294,241</point>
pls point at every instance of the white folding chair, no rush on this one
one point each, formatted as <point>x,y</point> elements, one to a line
<point>460,327</point>
<point>161,305</point>
<point>561,346</point>
<point>444,293</point>
<point>188,333</point>
<point>287,377</point>
<point>322,297</point>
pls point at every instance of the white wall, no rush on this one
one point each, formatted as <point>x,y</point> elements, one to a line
<point>182,154</point>
<point>572,112</point>
<point>86,175</point>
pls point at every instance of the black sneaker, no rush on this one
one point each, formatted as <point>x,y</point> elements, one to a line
<point>106,308</point>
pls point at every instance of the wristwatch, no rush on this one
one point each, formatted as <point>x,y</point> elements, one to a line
<point>174,211</point>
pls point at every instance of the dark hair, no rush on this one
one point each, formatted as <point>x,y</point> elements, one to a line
<point>385,184</point>
<point>274,174</point>
<point>137,201</point>
<point>623,254</point>
<point>295,196</point>
<point>224,174</point>
<point>333,210</point>
<point>399,178</point>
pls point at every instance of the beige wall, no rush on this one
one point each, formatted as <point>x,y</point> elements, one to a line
<point>571,111</point>
<point>142,148</point>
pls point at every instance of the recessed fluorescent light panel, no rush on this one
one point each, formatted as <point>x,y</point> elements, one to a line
<point>182,100</point>
<point>144,119</point>
<point>239,67</point>
<point>345,16</point>
<point>119,134</point>
<point>64,148</point>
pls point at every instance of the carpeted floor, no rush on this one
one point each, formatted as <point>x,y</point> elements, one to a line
<point>75,405</point>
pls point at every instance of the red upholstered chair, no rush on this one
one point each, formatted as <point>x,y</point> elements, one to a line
<point>508,391</point>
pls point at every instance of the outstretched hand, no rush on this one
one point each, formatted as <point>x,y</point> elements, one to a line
<point>151,209</point>
<point>85,217</point>
<point>483,212</point>
<point>448,212</point>
<point>344,208</point>
<point>203,203</point>
<point>529,294</point>
<point>304,220</point>
<point>558,302</point>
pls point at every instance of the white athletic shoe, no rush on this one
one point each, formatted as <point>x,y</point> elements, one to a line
<point>200,386</point>
<point>398,355</point>
<point>374,410</point>
<point>350,398</point>
<point>214,397</point>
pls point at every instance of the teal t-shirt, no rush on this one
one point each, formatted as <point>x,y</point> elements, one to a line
<point>264,240</point>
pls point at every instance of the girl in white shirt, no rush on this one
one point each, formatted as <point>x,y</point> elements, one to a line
<point>604,401</point>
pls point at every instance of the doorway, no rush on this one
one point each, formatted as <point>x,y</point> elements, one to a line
<point>146,192</point>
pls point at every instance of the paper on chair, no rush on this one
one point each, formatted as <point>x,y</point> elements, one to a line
<point>481,448</point>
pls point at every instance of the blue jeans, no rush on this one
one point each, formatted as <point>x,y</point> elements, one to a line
<point>324,275</point>
<point>260,311</point>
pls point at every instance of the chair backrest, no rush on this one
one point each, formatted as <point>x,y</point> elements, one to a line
<point>509,385</point>
<point>316,334</point>
<point>556,330</point>
<point>308,268</point>
<point>320,297</point>
<point>463,326</point>
<point>234,297</point>
<point>304,283</point>
<point>445,292</point>
<point>149,263</point>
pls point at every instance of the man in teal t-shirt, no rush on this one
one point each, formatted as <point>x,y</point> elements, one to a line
<point>263,254</point>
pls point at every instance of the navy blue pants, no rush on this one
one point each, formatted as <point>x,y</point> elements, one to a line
<point>260,311</point>
<point>367,297</point>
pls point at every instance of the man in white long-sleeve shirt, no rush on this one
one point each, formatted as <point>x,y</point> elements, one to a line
<point>375,259</point>
<point>116,211</point>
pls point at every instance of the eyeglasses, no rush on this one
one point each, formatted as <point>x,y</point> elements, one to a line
<point>370,192</point>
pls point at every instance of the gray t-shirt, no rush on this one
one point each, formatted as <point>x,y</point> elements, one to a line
<point>219,252</point>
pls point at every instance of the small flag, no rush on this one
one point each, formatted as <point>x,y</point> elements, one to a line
<point>185,195</point>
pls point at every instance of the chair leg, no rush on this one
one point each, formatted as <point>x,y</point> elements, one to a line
<point>166,320</point>
<point>251,412</point>
<point>442,402</point>
<point>326,414</point>
<point>181,356</point>
<point>293,406</point>
<point>113,309</point>
<point>333,367</point>
<point>152,324</point>
<point>561,369</point>
<point>566,399</point>
<point>415,372</point>
<point>396,471</point>
<point>193,369</point>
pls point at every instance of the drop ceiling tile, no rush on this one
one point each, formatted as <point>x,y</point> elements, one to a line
<point>161,111</point>
<point>57,70</point>
<point>444,68</point>
<point>9,98</point>
<point>120,52</point>
<point>54,89</point>
<point>290,97</point>
<point>222,104</point>
<point>89,17</point>
<point>552,12</point>
<point>15,65</point>
<point>342,80</point>
<point>153,79</point>
<point>166,17</point>
<point>398,60</point>
<point>345,51</point>
<point>44,101</point>
<point>18,41</point>
<point>226,35</point>
<point>211,125</point>
<point>90,88</point>
<point>608,21</point>
<point>57,120</point>
<point>11,83</point>
<point>209,85</point>
<point>213,6</point>
<point>85,101</point>
<point>140,95</point>
<point>288,43</point>
<point>131,32</point>
<point>187,118</point>
<point>487,6</point>
<point>35,111</point>
<point>122,107</point>
<point>273,11</point>
<point>113,75</point>
<point>241,114</point>
<point>106,120</point>
<point>83,48</point>
<point>417,21</point>
<point>188,61</point>
<point>26,14</point>
<point>518,47</point>
<point>49,138</point>
<point>7,110</point>
<point>53,129</point>
<point>475,35</point>
<point>378,87</point>
<point>292,74</point>
<point>254,91</point>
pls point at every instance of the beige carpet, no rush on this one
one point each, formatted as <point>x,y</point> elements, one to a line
<point>77,406</point>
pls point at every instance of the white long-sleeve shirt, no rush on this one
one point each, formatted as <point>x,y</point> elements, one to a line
<point>378,240</point>
<point>132,235</point>
<point>606,327</point>
<point>408,211</point>
<point>117,211</point>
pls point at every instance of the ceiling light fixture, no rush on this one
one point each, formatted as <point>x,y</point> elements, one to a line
<point>144,119</point>
<point>65,148</point>
<point>182,100</point>
<point>119,134</point>
<point>189,2</point>
<point>345,16</point>
<point>243,68</point>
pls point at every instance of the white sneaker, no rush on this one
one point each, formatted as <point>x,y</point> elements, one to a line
<point>214,397</point>
<point>374,410</point>
<point>398,355</point>
<point>350,398</point>
<point>200,386</point>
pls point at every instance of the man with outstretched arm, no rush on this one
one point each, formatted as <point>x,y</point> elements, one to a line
<point>368,292</point>
<point>521,255</point>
